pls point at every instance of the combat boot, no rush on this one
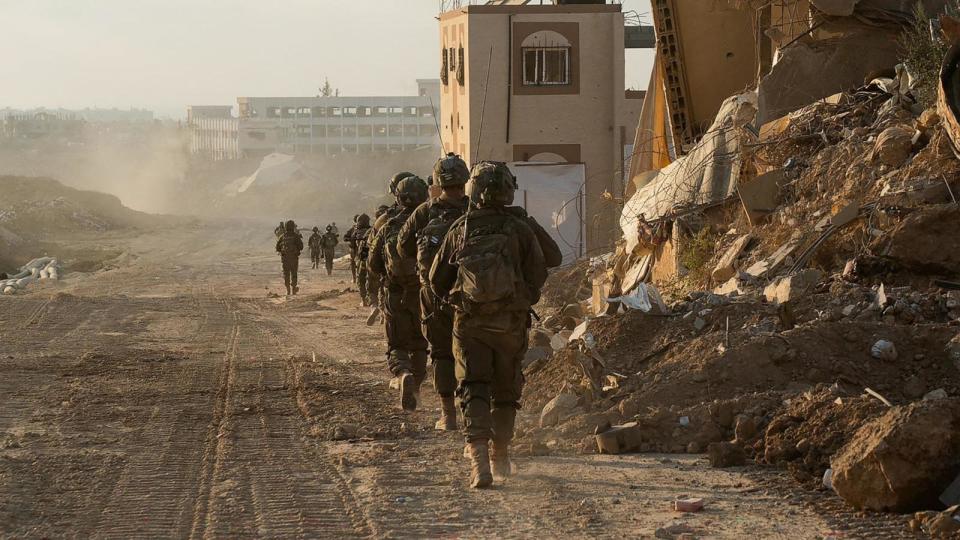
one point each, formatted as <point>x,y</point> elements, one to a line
<point>296,289</point>
<point>288,290</point>
<point>408,392</point>
<point>480,475</point>
<point>448,414</point>
<point>500,460</point>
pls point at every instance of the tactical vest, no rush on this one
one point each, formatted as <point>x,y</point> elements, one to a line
<point>430,237</point>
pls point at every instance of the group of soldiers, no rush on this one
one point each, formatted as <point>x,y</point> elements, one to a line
<point>455,277</point>
<point>290,246</point>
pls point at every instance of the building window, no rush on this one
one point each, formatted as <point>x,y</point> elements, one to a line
<point>546,66</point>
<point>461,68</point>
<point>444,67</point>
<point>273,112</point>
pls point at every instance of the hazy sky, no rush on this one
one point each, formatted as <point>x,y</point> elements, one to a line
<point>165,54</point>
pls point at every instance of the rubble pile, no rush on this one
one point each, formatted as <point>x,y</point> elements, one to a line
<point>809,320</point>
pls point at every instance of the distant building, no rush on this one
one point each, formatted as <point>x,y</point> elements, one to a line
<point>318,125</point>
<point>213,131</point>
<point>544,84</point>
<point>40,124</point>
<point>116,116</point>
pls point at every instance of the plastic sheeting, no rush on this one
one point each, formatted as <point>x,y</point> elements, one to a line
<point>553,194</point>
<point>707,174</point>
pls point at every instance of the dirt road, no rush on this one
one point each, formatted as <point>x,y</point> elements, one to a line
<point>171,397</point>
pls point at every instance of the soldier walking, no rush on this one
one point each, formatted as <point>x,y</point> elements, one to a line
<point>289,246</point>
<point>328,244</point>
<point>358,243</point>
<point>406,346</point>
<point>491,269</point>
<point>351,244</point>
<point>314,243</point>
<point>421,237</point>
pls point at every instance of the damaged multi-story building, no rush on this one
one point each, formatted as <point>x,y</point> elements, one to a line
<point>324,125</point>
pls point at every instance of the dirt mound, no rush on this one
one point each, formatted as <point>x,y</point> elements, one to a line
<point>43,206</point>
<point>565,286</point>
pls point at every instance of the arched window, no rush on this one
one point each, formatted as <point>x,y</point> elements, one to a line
<point>546,59</point>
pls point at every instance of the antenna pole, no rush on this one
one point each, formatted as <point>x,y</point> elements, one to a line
<point>436,123</point>
<point>483,107</point>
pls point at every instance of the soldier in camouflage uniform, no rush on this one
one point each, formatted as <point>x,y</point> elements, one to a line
<point>374,280</point>
<point>491,269</point>
<point>358,244</point>
<point>406,346</point>
<point>328,245</point>
<point>314,244</point>
<point>421,237</point>
<point>289,246</point>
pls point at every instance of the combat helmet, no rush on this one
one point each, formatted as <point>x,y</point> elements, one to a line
<point>412,192</point>
<point>363,221</point>
<point>329,228</point>
<point>395,180</point>
<point>316,229</point>
<point>451,170</point>
<point>381,210</point>
<point>491,184</point>
<point>290,226</point>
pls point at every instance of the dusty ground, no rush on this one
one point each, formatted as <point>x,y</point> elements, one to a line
<point>172,397</point>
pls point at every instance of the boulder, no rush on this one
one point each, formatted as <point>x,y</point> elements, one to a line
<point>620,439</point>
<point>894,145</point>
<point>903,460</point>
<point>726,454</point>
<point>792,287</point>
<point>535,354</point>
<point>558,409</point>
<point>540,338</point>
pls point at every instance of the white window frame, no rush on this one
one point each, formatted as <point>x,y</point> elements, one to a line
<point>541,67</point>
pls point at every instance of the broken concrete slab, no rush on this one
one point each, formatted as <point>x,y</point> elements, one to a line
<point>759,196</point>
<point>903,460</point>
<point>792,287</point>
<point>620,439</point>
<point>689,504</point>
<point>776,260</point>
<point>925,241</point>
<point>727,266</point>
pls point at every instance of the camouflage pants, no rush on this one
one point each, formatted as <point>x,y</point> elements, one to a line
<point>406,346</point>
<point>489,373</point>
<point>353,263</point>
<point>438,327</point>
<point>290,266</point>
<point>374,287</point>
<point>328,256</point>
<point>362,280</point>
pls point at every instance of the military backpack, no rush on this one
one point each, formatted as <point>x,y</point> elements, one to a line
<point>288,245</point>
<point>400,269</point>
<point>487,266</point>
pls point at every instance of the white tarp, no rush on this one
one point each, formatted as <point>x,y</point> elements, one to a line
<point>553,194</point>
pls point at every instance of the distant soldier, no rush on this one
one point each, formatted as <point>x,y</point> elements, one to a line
<point>348,239</point>
<point>421,237</point>
<point>314,243</point>
<point>333,227</point>
<point>278,232</point>
<point>359,240</point>
<point>491,269</point>
<point>289,246</point>
<point>328,244</point>
<point>406,346</point>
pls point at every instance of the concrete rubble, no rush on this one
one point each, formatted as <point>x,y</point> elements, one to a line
<point>788,285</point>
